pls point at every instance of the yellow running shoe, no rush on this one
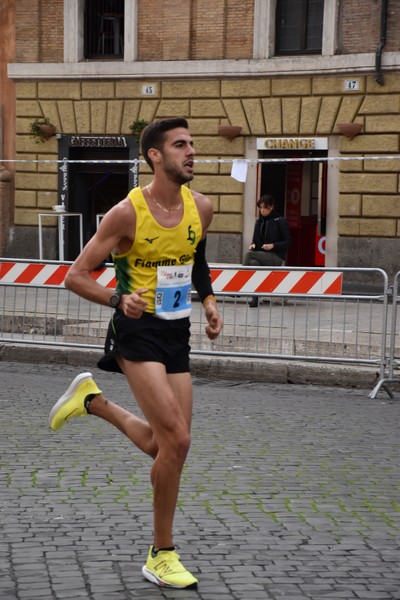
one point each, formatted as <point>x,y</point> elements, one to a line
<point>72,403</point>
<point>166,570</point>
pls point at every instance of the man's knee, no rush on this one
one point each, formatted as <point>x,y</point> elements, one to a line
<point>182,446</point>
<point>178,446</point>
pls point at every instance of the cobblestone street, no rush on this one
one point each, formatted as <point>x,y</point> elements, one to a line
<point>289,492</point>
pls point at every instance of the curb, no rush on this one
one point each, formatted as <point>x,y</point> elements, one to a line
<point>215,367</point>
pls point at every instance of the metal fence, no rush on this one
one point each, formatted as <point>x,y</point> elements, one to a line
<point>388,375</point>
<point>347,326</point>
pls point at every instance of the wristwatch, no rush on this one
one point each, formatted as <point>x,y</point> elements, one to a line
<point>114,300</point>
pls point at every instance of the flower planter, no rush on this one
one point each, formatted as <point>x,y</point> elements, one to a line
<point>349,130</point>
<point>47,131</point>
<point>229,131</point>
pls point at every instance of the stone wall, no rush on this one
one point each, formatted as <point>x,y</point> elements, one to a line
<point>369,191</point>
<point>369,202</point>
<point>5,207</point>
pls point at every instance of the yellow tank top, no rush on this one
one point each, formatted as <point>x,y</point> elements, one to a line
<point>155,246</point>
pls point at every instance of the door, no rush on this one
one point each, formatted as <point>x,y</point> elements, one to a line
<point>90,182</point>
<point>299,189</point>
<point>94,189</point>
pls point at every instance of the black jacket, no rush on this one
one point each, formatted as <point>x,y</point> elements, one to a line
<point>272,230</point>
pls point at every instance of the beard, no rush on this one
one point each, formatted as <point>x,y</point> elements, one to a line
<point>177,174</point>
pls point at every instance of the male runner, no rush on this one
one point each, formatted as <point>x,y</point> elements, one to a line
<point>157,240</point>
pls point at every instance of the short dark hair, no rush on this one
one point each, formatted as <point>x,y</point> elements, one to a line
<point>267,200</point>
<point>153,135</point>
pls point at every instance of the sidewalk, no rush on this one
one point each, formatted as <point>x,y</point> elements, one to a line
<point>272,338</point>
<point>213,367</point>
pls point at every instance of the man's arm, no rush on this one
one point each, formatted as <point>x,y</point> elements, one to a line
<point>115,233</point>
<point>201,276</point>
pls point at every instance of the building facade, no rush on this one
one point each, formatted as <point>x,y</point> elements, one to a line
<point>313,87</point>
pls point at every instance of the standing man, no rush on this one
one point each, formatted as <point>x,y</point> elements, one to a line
<point>157,240</point>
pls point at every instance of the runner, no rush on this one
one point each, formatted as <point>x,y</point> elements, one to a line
<point>157,238</point>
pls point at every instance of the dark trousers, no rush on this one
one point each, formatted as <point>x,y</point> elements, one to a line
<point>261,258</point>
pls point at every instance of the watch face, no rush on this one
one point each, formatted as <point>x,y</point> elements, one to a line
<point>115,300</point>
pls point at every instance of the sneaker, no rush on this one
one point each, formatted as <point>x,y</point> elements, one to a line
<point>72,403</point>
<point>165,570</point>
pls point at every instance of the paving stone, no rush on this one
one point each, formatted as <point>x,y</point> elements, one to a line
<point>39,593</point>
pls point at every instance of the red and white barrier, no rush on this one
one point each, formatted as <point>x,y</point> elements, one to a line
<point>223,279</point>
<point>277,282</point>
<point>38,273</point>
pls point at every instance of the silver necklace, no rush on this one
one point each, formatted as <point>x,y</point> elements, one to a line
<point>164,208</point>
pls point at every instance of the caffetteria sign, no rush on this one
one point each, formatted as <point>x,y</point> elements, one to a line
<point>292,143</point>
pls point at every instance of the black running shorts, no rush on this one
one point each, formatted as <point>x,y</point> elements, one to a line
<point>147,339</point>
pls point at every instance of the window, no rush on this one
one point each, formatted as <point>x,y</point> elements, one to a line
<point>299,26</point>
<point>104,29</point>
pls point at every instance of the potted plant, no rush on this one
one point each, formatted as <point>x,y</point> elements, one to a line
<point>137,127</point>
<point>42,129</point>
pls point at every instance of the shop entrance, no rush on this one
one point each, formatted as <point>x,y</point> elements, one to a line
<point>299,189</point>
<point>95,188</point>
<point>92,187</point>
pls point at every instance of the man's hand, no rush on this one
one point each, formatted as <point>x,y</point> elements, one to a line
<point>214,327</point>
<point>133,305</point>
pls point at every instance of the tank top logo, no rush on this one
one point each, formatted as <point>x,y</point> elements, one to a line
<point>191,235</point>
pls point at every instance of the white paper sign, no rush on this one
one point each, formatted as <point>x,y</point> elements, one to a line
<point>239,171</point>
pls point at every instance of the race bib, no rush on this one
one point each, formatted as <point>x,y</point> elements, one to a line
<point>173,293</point>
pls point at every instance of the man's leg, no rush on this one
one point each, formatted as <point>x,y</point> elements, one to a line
<point>83,397</point>
<point>166,402</point>
<point>135,428</point>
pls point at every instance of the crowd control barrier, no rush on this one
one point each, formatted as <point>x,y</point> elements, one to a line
<point>313,314</point>
<point>388,376</point>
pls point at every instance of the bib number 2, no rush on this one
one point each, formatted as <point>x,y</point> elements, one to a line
<point>173,293</point>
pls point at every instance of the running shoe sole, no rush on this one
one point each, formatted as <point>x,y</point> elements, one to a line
<point>154,579</point>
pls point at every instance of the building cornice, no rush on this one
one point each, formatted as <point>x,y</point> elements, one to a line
<point>286,66</point>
